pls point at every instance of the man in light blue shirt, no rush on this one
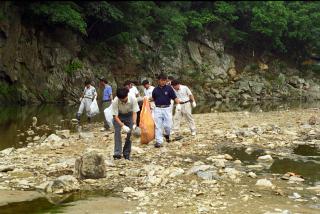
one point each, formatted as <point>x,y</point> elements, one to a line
<point>106,97</point>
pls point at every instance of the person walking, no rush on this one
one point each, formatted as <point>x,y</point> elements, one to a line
<point>148,89</point>
<point>186,100</point>
<point>88,95</point>
<point>162,95</point>
<point>124,111</point>
<point>132,88</point>
<point>106,97</point>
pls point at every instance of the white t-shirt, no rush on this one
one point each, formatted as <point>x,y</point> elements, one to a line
<point>183,93</point>
<point>134,91</point>
<point>89,92</point>
<point>124,108</point>
<point>148,92</point>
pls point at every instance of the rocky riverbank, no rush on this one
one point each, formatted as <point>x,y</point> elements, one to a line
<point>190,175</point>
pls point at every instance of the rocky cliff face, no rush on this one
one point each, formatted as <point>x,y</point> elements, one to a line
<point>50,65</point>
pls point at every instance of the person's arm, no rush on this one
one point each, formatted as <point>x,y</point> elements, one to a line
<point>134,118</point>
<point>191,97</point>
<point>110,93</point>
<point>115,112</point>
<point>177,101</point>
<point>94,94</point>
<point>117,119</point>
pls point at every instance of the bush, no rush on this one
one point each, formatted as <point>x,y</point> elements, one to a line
<point>73,66</point>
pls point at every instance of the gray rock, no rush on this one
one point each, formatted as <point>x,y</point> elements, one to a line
<point>30,132</point>
<point>52,139</point>
<point>86,135</point>
<point>252,175</point>
<point>90,165</point>
<point>63,184</point>
<point>7,151</point>
<point>6,168</point>
<point>208,175</point>
<point>128,190</point>
<point>63,133</point>
<point>194,52</point>
<point>196,169</point>
<point>264,183</point>
<point>265,158</point>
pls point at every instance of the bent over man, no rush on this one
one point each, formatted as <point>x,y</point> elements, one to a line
<point>186,100</point>
<point>124,110</point>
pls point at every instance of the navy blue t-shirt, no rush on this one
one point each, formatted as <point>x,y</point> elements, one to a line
<point>163,95</point>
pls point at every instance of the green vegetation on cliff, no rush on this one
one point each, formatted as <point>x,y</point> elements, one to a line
<point>290,27</point>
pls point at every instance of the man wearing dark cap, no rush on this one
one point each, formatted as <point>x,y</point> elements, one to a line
<point>162,95</point>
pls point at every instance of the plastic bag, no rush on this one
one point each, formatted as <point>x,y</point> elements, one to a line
<point>94,109</point>
<point>108,115</point>
<point>146,123</point>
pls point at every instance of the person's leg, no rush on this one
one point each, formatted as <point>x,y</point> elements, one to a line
<point>117,140</point>
<point>167,121</point>
<point>104,106</point>
<point>158,120</point>
<point>81,108</point>
<point>188,115</point>
<point>177,120</point>
<point>140,103</point>
<point>127,120</point>
<point>87,107</point>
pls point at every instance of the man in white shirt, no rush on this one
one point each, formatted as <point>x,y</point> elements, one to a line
<point>132,89</point>
<point>88,95</point>
<point>124,111</point>
<point>186,100</point>
<point>148,89</point>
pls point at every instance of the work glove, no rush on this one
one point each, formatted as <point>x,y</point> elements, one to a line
<point>126,129</point>
<point>194,104</point>
<point>178,107</point>
<point>134,126</point>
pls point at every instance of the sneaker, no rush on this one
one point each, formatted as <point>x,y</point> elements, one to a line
<point>167,138</point>
<point>116,157</point>
<point>157,145</point>
<point>193,133</point>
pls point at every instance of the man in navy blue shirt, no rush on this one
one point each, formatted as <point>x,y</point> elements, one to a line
<point>162,95</point>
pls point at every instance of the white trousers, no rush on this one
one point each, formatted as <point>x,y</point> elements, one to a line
<point>163,120</point>
<point>85,105</point>
<point>186,112</point>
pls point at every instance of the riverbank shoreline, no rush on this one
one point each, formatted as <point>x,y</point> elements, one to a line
<point>191,175</point>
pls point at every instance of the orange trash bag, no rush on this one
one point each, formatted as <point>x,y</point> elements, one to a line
<point>146,123</point>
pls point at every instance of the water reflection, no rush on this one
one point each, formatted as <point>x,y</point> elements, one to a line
<point>16,119</point>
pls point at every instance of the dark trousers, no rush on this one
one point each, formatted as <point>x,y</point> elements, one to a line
<point>140,103</point>
<point>127,120</point>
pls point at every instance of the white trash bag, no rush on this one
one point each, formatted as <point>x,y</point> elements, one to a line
<point>94,109</point>
<point>108,115</point>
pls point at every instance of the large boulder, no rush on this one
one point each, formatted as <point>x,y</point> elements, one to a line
<point>90,166</point>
